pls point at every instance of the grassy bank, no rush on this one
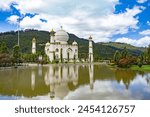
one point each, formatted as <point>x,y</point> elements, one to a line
<point>143,68</point>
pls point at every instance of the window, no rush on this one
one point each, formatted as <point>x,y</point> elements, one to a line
<point>57,50</point>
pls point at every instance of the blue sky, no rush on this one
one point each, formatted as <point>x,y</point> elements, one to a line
<point>106,20</point>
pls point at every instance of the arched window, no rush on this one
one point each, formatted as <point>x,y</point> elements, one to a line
<point>57,50</point>
<point>69,50</point>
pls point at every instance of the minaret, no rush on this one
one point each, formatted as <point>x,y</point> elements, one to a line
<point>90,50</point>
<point>33,46</point>
<point>52,35</point>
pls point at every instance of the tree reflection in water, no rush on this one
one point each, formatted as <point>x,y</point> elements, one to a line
<point>126,76</point>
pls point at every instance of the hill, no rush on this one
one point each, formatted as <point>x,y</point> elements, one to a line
<point>101,50</point>
<point>122,45</point>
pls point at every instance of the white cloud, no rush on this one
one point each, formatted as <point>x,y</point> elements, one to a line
<point>30,23</point>
<point>5,4</point>
<point>142,42</point>
<point>145,32</point>
<point>102,90</point>
<point>141,1</point>
<point>13,19</point>
<point>63,7</point>
<point>148,22</point>
<point>91,18</point>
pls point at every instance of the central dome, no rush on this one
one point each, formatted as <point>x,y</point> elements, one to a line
<point>61,36</point>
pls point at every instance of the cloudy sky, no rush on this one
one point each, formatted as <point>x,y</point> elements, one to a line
<point>106,20</point>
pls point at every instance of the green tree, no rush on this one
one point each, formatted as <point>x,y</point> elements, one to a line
<point>142,58</point>
<point>16,53</point>
<point>5,60</point>
<point>117,56</point>
<point>3,48</point>
<point>145,57</point>
<point>124,53</point>
<point>148,53</point>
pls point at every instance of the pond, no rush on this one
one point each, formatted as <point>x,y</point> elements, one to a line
<point>73,82</point>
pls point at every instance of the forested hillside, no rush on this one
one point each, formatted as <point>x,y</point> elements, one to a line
<point>101,50</point>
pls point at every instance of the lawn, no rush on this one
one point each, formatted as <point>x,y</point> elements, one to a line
<point>143,68</point>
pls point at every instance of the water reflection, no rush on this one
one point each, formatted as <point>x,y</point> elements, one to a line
<point>91,76</point>
<point>72,81</point>
<point>58,77</point>
<point>32,80</point>
<point>125,76</point>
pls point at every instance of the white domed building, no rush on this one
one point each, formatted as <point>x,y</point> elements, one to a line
<point>59,49</point>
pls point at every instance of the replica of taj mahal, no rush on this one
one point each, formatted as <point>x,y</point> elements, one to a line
<point>59,49</point>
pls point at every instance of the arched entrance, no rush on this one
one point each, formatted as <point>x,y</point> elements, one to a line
<point>69,53</point>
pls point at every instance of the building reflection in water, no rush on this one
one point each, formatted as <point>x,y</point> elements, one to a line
<point>32,79</point>
<point>91,76</point>
<point>62,80</point>
<point>58,77</point>
<point>40,70</point>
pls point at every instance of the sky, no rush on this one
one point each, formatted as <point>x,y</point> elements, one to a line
<point>106,20</point>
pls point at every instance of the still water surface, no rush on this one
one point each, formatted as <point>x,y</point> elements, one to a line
<point>73,82</point>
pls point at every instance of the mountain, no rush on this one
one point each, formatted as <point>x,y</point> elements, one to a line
<point>101,50</point>
<point>122,45</point>
<point>133,50</point>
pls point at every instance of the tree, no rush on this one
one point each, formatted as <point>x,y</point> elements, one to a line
<point>16,53</point>
<point>127,62</point>
<point>148,53</point>
<point>141,58</point>
<point>117,56</point>
<point>3,48</point>
<point>124,53</point>
<point>145,57</point>
<point>5,60</point>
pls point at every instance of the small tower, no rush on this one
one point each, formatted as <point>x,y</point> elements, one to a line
<point>33,46</point>
<point>52,35</point>
<point>90,50</point>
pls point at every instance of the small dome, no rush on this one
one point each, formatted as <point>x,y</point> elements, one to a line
<point>52,33</point>
<point>47,44</point>
<point>74,43</point>
<point>33,40</point>
<point>61,36</point>
<point>90,37</point>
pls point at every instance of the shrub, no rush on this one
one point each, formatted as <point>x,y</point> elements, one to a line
<point>127,62</point>
<point>140,64</point>
<point>6,60</point>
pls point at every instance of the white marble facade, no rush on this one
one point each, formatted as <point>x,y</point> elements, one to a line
<point>59,49</point>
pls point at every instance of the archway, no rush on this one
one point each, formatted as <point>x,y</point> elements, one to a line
<point>69,52</point>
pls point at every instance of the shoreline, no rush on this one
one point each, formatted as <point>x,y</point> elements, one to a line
<point>95,63</point>
<point>36,64</point>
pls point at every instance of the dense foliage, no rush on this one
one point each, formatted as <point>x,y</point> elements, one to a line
<point>124,59</point>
